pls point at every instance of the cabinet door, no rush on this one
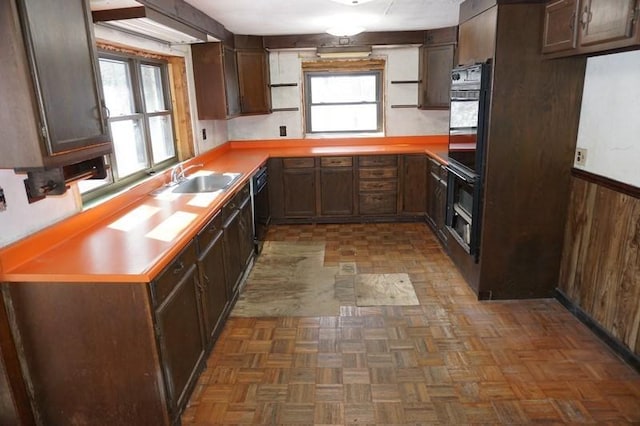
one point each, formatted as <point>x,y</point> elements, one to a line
<point>432,199</point>
<point>603,21</point>
<point>560,22</point>
<point>477,38</point>
<point>441,209</point>
<point>436,63</point>
<point>181,337</point>
<point>63,60</point>
<point>214,287</point>
<point>299,187</point>
<point>246,232</point>
<point>336,191</point>
<point>208,73</point>
<point>232,253</point>
<point>253,77</point>
<point>414,184</point>
<point>231,81</point>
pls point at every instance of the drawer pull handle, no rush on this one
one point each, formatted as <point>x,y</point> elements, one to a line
<point>179,267</point>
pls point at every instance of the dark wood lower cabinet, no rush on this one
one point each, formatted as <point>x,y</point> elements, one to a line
<point>126,353</point>
<point>336,191</point>
<point>181,337</point>
<point>237,240</point>
<point>299,192</point>
<point>437,199</point>
<point>414,184</point>
<point>215,298</point>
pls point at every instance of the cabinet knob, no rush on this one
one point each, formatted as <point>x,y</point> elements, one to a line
<point>179,267</point>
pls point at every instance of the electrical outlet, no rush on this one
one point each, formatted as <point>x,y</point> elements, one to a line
<point>581,156</point>
<point>3,201</point>
<point>204,134</point>
<point>283,130</point>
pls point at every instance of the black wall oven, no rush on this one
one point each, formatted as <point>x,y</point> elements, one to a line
<point>470,96</point>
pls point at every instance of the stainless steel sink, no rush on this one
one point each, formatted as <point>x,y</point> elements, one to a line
<point>207,183</point>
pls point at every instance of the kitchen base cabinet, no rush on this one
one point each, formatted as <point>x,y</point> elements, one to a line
<point>437,199</point>
<point>336,186</point>
<point>89,352</point>
<point>215,298</point>
<point>378,185</point>
<point>237,240</point>
<point>181,336</point>
<point>414,185</point>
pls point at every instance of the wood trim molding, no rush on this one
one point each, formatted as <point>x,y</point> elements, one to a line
<point>614,185</point>
<point>618,347</point>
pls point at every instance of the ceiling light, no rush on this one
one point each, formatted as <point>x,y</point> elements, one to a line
<point>352,2</point>
<point>345,31</point>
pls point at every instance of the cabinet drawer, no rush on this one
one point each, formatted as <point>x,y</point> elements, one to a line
<point>235,202</point>
<point>378,203</point>
<point>336,161</point>
<point>378,185</point>
<point>210,231</point>
<point>382,173</point>
<point>298,163</point>
<point>165,282</point>
<point>444,173</point>
<point>434,166</point>
<point>378,160</point>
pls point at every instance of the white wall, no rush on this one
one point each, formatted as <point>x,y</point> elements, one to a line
<point>21,218</point>
<point>610,117</point>
<point>285,67</point>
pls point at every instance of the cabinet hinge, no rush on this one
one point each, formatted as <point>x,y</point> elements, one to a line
<point>635,13</point>
<point>43,131</point>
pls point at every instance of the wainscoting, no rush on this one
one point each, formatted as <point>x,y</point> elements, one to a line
<point>600,270</point>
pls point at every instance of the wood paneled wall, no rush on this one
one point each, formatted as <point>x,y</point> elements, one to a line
<point>601,259</point>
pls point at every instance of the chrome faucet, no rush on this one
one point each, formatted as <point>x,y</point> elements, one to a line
<point>178,173</point>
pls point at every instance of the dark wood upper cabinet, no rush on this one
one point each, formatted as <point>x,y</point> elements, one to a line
<point>437,57</point>
<point>230,82</point>
<point>253,77</point>
<point>560,26</point>
<point>574,27</point>
<point>50,77</point>
<point>216,81</point>
<point>477,38</point>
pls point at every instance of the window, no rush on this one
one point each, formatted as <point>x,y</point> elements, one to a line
<point>137,97</point>
<point>343,101</point>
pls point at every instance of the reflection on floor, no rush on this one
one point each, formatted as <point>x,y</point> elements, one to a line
<point>448,360</point>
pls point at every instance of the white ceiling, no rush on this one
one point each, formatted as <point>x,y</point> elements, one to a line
<point>281,17</point>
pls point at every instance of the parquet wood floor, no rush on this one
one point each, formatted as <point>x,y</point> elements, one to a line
<point>451,360</point>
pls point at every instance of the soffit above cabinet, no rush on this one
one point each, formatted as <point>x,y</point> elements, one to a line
<point>132,17</point>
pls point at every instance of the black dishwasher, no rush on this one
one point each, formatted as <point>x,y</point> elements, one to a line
<point>261,211</point>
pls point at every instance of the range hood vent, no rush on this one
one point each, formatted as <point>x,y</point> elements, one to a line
<point>148,23</point>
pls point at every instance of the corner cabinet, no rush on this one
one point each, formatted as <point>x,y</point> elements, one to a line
<point>573,27</point>
<point>253,78</point>
<point>437,58</point>
<point>216,79</point>
<point>230,82</point>
<point>55,113</point>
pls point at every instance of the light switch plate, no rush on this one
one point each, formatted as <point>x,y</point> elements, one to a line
<point>3,201</point>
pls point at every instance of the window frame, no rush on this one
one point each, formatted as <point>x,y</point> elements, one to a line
<point>134,66</point>
<point>378,73</point>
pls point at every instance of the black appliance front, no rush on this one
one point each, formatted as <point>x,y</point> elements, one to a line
<point>468,109</point>
<point>262,212</point>
<point>470,95</point>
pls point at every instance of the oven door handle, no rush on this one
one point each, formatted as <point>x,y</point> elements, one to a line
<point>461,176</point>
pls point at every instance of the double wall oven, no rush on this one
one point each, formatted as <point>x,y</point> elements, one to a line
<point>470,96</point>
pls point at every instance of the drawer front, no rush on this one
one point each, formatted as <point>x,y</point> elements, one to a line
<point>378,160</point>
<point>165,282</point>
<point>378,185</point>
<point>336,162</point>
<point>298,163</point>
<point>235,202</point>
<point>210,232</point>
<point>378,203</point>
<point>382,173</point>
<point>434,166</point>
